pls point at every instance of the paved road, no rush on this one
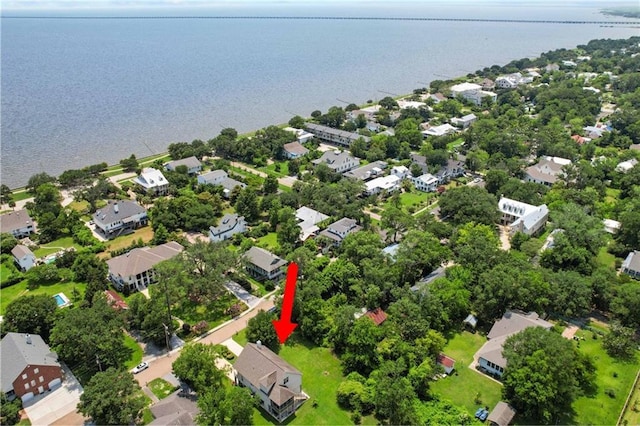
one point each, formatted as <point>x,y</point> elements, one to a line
<point>159,366</point>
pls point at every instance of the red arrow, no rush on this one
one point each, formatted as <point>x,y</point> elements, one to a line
<point>284,327</point>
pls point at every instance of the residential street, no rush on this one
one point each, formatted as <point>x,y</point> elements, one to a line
<point>161,365</point>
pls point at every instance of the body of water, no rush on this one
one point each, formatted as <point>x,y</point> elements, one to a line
<point>81,91</point>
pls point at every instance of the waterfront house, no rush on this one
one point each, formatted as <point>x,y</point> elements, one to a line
<point>119,218</point>
<point>220,177</point>
<point>631,265</point>
<point>229,225</point>
<point>276,383</point>
<point>152,181</point>
<point>23,257</point>
<point>264,265</point>
<point>28,366</point>
<point>523,217</point>
<point>472,92</point>
<point>192,164</point>
<point>17,223</point>
<point>334,136</point>
<point>338,161</point>
<point>301,135</point>
<point>490,358</point>
<point>133,271</point>
<point>294,150</point>
<point>547,171</point>
<point>338,231</point>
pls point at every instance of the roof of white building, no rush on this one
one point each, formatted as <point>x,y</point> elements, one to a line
<point>151,178</point>
<point>465,87</point>
<point>384,182</point>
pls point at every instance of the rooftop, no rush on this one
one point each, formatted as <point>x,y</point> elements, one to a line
<point>20,251</point>
<point>227,223</point>
<point>295,148</point>
<point>502,414</point>
<point>19,350</point>
<point>116,211</point>
<point>150,178</point>
<point>513,322</point>
<point>378,316</point>
<point>264,259</point>
<point>142,259</point>
<point>15,220</point>
<point>190,162</point>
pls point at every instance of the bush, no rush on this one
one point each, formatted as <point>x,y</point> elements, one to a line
<point>200,327</point>
<point>610,393</point>
<point>186,328</point>
<point>269,286</point>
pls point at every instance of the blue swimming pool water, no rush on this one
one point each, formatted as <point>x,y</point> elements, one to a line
<point>59,300</point>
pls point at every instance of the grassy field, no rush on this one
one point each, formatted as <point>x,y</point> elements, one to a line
<point>463,387</point>
<point>136,352</point>
<point>9,294</point>
<point>605,258</point>
<point>613,375</point>
<point>411,199</point>
<point>321,376</point>
<point>54,246</point>
<point>213,313</point>
<point>146,233</point>
<point>161,388</point>
<point>271,240</point>
<point>632,414</point>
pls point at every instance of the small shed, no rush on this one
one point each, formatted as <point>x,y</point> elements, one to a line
<point>446,362</point>
<point>378,316</point>
<point>471,321</point>
<point>502,414</point>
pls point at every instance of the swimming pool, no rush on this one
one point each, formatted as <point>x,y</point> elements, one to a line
<point>61,300</point>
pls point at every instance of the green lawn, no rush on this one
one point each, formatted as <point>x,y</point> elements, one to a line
<point>21,195</point>
<point>241,337</point>
<point>321,376</point>
<point>54,246</point>
<point>271,169</point>
<point>79,206</point>
<point>463,387</point>
<point>136,352</point>
<point>146,233</point>
<point>612,374</point>
<point>452,145</point>
<point>632,416</point>
<point>9,294</point>
<point>213,313</point>
<point>605,258</point>
<point>161,388</point>
<point>271,241</point>
<point>414,199</point>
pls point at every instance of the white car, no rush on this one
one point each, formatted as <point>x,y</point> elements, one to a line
<point>140,367</point>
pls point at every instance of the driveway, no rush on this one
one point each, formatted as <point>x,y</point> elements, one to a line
<point>51,406</point>
<point>249,299</point>
<point>233,346</point>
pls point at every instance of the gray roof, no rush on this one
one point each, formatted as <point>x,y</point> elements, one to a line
<point>632,261</point>
<point>295,148</point>
<point>190,162</point>
<point>533,218</point>
<point>227,223</point>
<point>15,220</point>
<point>545,170</point>
<point>317,128</point>
<point>264,259</point>
<point>142,259</point>
<point>176,409</point>
<point>20,251</point>
<point>16,354</point>
<point>334,159</point>
<point>366,171</point>
<point>309,215</point>
<point>492,351</point>
<point>213,175</point>
<point>502,414</point>
<point>260,366</point>
<point>513,322</point>
<point>230,183</point>
<point>344,225</point>
<point>117,210</point>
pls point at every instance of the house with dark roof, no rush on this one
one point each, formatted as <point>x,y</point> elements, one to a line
<point>24,257</point>
<point>119,217</point>
<point>338,161</point>
<point>276,382</point>
<point>631,265</point>
<point>192,164</point>
<point>334,136</point>
<point>501,415</point>
<point>448,363</point>
<point>294,150</point>
<point>368,171</point>
<point>152,181</point>
<point>177,409</point>
<point>523,217</point>
<point>17,223</point>
<point>133,271</point>
<point>489,356</point>
<point>28,366</point>
<point>264,265</point>
<point>338,231</point>
<point>229,225</point>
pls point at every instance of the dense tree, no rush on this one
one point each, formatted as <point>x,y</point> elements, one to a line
<point>408,131</point>
<point>396,221</point>
<point>360,352</point>
<point>570,293</point>
<point>112,397</point>
<point>247,205</point>
<point>297,122</point>
<point>196,366</point>
<point>38,179</point>
<point>476,247</point>
<point>261,328</point>
<point>238,406</point>
<point>90,269</point>
<point>129,164</point>
<point>545,373</point>
<point>388,103</point>
<point>41,275</point>
<point>620,342</point>
<point>469,204</point>
<point>34,314</point>
<point>9,410</point>
<point>7,243</point>
<point>419,253</point>
<point>5,194</point>
<point>625,305</point>
<point>270,185</point>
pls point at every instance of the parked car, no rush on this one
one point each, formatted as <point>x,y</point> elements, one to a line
<point>140,367</point>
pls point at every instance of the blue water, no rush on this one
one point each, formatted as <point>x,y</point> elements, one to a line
<point>59,300</point>
<point>77,92</point>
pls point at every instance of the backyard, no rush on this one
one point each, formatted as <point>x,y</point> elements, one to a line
<point>13,292</point>
<point>467,387</point>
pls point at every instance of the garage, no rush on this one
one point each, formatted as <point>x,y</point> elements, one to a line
<point>27,397</point>
<point>54,383</point>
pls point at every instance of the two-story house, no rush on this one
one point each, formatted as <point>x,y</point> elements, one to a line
<point>338,161</point>
<point>192,164</point>
<point>334,136</point>
<point>465,121</point>
<point>17,223</point>
<point>220,177</point>
<point>338,231</point>
<point>152,181</point>
<point>133,271</point>
<point>23,257</point>
<point>229,225</point>
<point>426,182</point>
<point>28,366</point>
<point>631,264</point>
<point>547,171</point>
<point>119,217</point>
<point>472,92</point>
<point>308,220</point>
<point>264,265</point>
<point>276,382</point>
<point>523,217</point>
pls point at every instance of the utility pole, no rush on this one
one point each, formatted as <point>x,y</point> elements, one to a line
<point>166,336</point>
<point>98,362</point>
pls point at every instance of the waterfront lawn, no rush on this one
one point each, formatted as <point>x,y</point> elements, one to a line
<point>611,375</point>
<point>136,352</point>
<point>462,387</point>
<point>161,388</point>
<point>321,376</point>
<point>13,292</point>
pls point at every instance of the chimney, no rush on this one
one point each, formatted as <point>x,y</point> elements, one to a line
<point>259,344</point>
<point>28,338</point>
<point>115,208</point>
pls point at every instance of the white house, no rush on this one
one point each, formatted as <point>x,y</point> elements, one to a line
<point>308,220</point>
<point>390,183</point>
<point>192,164</point>
<point>119,217</point>
<point>523,217</point>
<point>490,358</point>
<point>625,166</point>
<point>274,381</point>
<point>220,177</point>
<point>472,92</point>
<point>301,135</point>
<point>264,265</point>
<point>426,182</point>
<point>441,130</point>
<point>611,226</point>
<point>338,161</point>
<point>465,121</point>
<point>294,150</point>
<point>335,136</point>
<point>152,181</point>
<point>546,171</point>
<point>511,81</point>
<point>401,171</point>
<point>229,225</point>
<point>338,231</point>
<point>17,223</point>
<point>631,265</point>
<point>134,270</point>
<point>23,257</point>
